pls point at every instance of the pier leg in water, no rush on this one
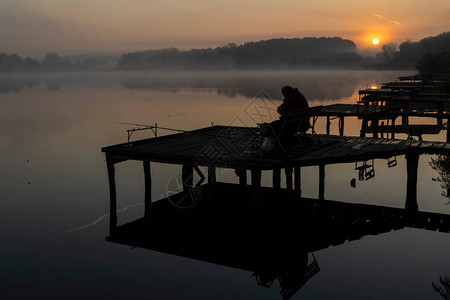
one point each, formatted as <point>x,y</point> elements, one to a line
<point>322,182</point>
<point>393,128</point>
<point>297,181</point>
<point>112,196</point>
<point>242,175</point>
<point>276,178</point>
<point>341,126</point>
<point>211,185</point>
<point>363,127</point>
<point>328,125</point>
<point>405,121</point>
<point>375,127</point>
<point>288,172</point>
<point>412,163</point>
<point>187,176</point>
<point>148,188</point>
<point>448,131</point>
<point>256,189</point>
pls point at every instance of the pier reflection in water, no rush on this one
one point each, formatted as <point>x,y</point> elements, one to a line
<point>275,242</point>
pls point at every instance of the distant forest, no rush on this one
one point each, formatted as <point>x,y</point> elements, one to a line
<point>274,54</point>
<point>269,54</point>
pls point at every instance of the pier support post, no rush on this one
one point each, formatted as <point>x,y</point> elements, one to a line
<point>297,180</point>
<point>288,172</point>
<point>363,127</point>
<point>328,125</point>
<point>276,178</point>
<point>242,174</point>
<point>211,184</point>
<point>448,131</point>
<point>321,182</point>
<point>341,126</point>
<point>187,176</point>
<point>375,128</point>
<point>412,164</point>
<point>393,128</point>
<point>148,188</point>
<point>405,120</point>
<point>256,189</point>
<point>112,195</point>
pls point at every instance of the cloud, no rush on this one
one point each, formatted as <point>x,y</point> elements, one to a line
<point>387,19</point>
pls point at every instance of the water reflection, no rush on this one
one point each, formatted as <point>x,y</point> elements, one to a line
<point>275,244</point>
<point>443,287</point>
<point>442,165</point>
<point>321,86</point>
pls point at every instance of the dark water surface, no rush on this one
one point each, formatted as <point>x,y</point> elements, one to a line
<point>55,197</point>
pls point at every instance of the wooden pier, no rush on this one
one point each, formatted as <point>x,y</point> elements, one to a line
<point>238,148</point>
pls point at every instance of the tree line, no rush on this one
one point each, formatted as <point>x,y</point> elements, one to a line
<point>51,62</point>
<point>269,54</point>
<point>274,54</point>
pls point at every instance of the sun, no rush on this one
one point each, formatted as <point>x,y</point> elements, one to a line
<point>375,41</point>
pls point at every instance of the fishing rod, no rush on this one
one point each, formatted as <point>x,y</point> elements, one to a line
<point>153,128</point>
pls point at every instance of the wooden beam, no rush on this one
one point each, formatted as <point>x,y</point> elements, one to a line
<point>321,182</point>
<point>412,165</point>
<point>112,196</point>
<point>148,188</point>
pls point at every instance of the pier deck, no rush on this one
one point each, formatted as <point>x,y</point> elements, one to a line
<point>237,147</point>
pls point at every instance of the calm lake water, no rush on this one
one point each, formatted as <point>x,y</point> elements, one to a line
<point>55,197</point>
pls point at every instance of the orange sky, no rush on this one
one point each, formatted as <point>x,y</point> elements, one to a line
<point>36,27</point>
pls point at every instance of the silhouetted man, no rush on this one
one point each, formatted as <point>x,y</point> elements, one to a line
<point>293,99</point>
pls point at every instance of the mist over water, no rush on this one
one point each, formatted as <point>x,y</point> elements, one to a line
<point>55,197</point>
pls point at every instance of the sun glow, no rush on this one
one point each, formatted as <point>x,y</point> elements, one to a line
<point>375,41</point>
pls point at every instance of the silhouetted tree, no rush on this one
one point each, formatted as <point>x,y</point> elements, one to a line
<point>442,165</point>
<point>443,287</point>
<point>410,52</point>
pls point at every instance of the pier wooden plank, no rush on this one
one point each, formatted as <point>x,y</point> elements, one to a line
<point>236,148</point>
